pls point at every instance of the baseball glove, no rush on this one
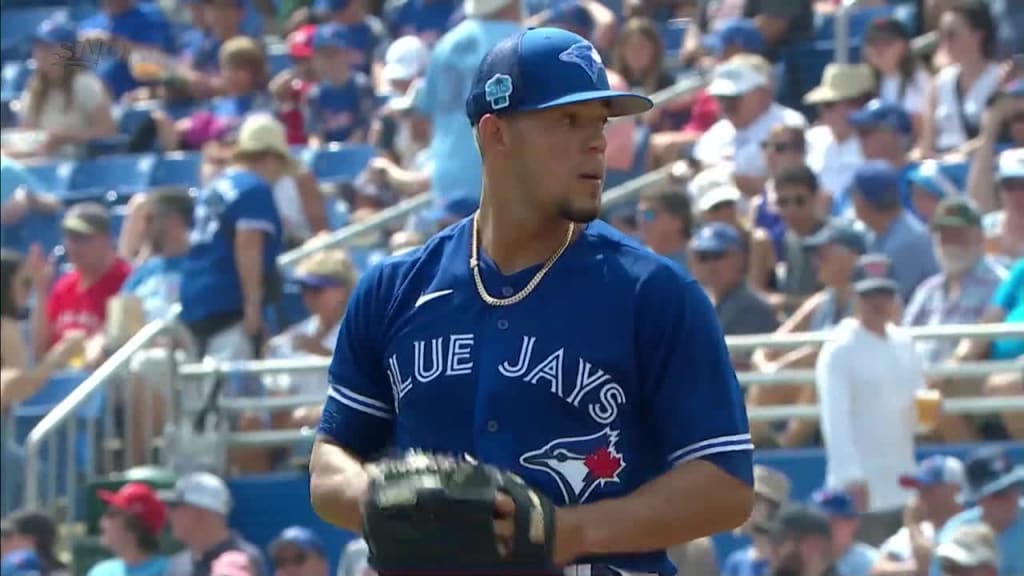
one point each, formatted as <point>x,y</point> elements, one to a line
<point>433,514</point>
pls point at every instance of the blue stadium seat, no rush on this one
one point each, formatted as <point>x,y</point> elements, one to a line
<point>19,24</point>
<point>340,163</point>
<point>123,173</point>
<point>55,176</point>
<point>278,58</point>
<point>177,169</point>
<point>673,33</point>
<point>15,78</point>
<point>130,119</point>
<point>34,228</point>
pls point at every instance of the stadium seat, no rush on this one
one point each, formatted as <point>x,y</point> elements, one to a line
<point>15,78</point>
<point>121,173</point>
<point>34,228</point>
<point>130,119</point>
<point>278,58</point>
<point>339,163</point>
<point>177,169</point>
<point>55,176</point>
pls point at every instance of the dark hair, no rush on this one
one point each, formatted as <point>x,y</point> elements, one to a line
<point>797,176</point>
<point>43,532</point>
<point>893,28</point>
<point>10,263</point>
<point>145,539</point>
<point>174,200</point>
<point>674,202</point>
<point>979,17</point>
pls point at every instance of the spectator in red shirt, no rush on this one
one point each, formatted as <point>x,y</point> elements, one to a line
<point>78,300</point>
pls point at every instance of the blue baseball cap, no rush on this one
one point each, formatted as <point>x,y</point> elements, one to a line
<point>55,31</point>
<point>840,233</point>
<point>989,471</point>
<point>741,33</point>
<point>835,503</point>
<point>931,177</point>
<point>300,537</point>
<point>881,114</point>
<point>332,36</point>
<point>877,182</point>
<point>874,273</point>
<point>716,238</point>
<point>543,68</point>
<point>933,471</point>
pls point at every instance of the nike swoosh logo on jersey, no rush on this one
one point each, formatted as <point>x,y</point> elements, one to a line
<point>424,298</point>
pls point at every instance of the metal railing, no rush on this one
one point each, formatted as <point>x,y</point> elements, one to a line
<point>41,490</point>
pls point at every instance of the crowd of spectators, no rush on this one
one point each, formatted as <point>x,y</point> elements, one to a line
<point>889,195</point>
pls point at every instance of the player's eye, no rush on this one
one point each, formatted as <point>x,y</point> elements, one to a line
<point>561,455</point>
<point>571,120</point>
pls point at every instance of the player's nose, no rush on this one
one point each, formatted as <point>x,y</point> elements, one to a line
<point>597,142</point>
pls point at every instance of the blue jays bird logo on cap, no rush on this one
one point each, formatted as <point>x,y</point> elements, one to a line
<point>580,464</point>
<point>586,56</point>
<point>497,91</point>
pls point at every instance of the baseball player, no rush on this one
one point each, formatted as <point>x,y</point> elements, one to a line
<point>542,341</point>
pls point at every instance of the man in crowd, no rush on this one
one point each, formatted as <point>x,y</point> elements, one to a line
<point>199,507</point>
<point>937,483</point>
<point>771,493</point>
<point>665,222</point>
<point>995,486</point>
<point>886,132</point>
<point>852,557</point>
<point>298,551</point>
<point>801,542</point>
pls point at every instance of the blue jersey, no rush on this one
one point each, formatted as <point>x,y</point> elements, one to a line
<point>237,200</point>
<point>609,373</point>
<point>339,112</point>
<point>143,24</point>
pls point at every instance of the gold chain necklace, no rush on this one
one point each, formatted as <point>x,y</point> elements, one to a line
<point>474,263</point>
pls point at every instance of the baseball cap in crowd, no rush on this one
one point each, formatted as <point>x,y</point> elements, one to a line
<point>139,500</point>
<point>86,218</point>
<point>55,31</point>
<point>835,503</point>
<point>300,537</point>
<point>884,29</point>
<point>881,114</point>
<point>796,520</point>
<point>709,179</point>
<point>874,273</point>
<point>841,233</point>
<point>717,196</point>
<point>477,8</point>
<point>300,42</point>
<point>739,75</point>
<point>542,68</point>
<point>931,177</point>
<point>262,132</point>
<point>771,484</point>
<point>329,268</point>
<point>572,16</point>
<point>332,35</point>
<point>934,471</point>
<point>406,59</point>
<point>955,212</point>
<point>716,238</point>
<point>990,471</point>
<point>841,82</point>
<point>970,546</point>
<point>741,33</point>
<point>877,182</point>
<point>201,490</point>
<point>1011,165</point>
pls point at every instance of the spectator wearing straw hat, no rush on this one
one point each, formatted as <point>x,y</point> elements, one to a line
<point>771,493</point>
<point>833,149</point>
<point>236,237</point>
<point>970,551</point>
<point>130,528</point>
<point>995,487</point>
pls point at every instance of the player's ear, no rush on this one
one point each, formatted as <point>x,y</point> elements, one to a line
<point>492,133</point>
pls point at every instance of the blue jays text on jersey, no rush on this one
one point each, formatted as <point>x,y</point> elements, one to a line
<point>612,371</point>
<point>237,200</point>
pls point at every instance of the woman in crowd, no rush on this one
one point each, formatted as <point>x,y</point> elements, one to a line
<point>899,76</point>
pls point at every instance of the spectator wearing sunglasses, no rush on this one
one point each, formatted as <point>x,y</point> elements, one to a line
<point>665,222</point>
<point>771,492</point>
<point>885,132</point>
<point>297,551</point>
<point>130,528</point>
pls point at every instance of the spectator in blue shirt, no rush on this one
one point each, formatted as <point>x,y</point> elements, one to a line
<point>853,558</point>
<point>886,133</point>
<point>878,203</point>
<point>996,488</point>
<point>125,25</point>
<point>368,37</point>
<point>341,103</point>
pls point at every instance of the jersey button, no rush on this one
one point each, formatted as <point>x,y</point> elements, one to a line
<point>492,426</point>
<point>507,291</point>
<point>503,324</point>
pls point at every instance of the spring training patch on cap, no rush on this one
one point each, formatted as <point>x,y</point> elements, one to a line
<point>586,56</point>
<point>497,90</point>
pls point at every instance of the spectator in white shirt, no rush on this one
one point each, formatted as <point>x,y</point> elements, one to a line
<point>853,558</point>
<point>901,80</point>
<point>937,482</point>
<point>867,408</point>
<point>744,89</point>
<point>833,150</point>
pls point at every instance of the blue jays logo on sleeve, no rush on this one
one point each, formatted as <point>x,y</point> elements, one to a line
<point>497,90</point>
<point>579,465</point>
<point>586,56</point>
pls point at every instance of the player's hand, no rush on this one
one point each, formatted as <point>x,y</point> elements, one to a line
<point>567,534</point>
<point>504,523</point>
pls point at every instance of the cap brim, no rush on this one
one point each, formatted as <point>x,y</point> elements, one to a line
<point>817,240</point>
<point>620,103</point>
<point>949,551</point>
<point>876,285</point>
<point>1013,478</point>
<point>822,95</point>
<point>910,481</point>
<point>106,496</point>
<point>315,281</point>
<point>950,223</point>
<point>77,226</point>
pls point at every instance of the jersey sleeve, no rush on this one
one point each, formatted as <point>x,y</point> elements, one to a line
<point>690,389</point>
<point>254,209</point>
<point>359,410</point>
